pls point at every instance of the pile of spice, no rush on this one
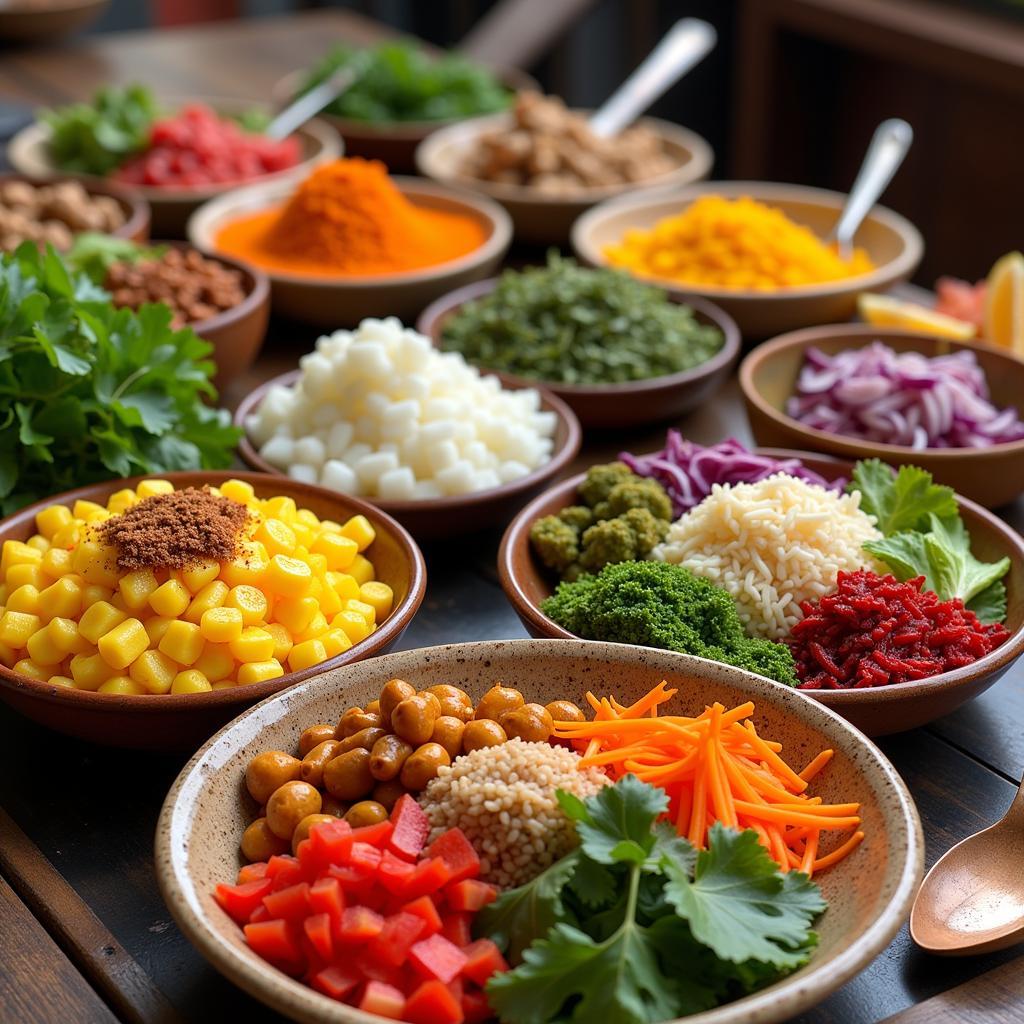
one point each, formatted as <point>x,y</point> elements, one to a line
<point>53,214</point>
<point>176,530</point>
<point>733,243</point>
<point>348,218</point>
<point>874,631</point>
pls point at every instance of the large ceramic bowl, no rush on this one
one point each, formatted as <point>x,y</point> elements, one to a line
<point>342,301</point>
<point>617,405</point>
<point>180,721</point>
<point>542,218</point>
<point>440,518</point>
<point>171,208</point>
<point>892,242</point>
<point>47,22</point>
<point>991,476</point>
<point>878,711</point>
<point>869,892</point>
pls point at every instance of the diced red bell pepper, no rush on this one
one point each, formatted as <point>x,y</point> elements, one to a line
<point>436,957</point>
<point>455,986</point>
<point>291,903</point>
<point>318,930</point>
<point>475,1007</point>
<point>429,876</point>
<point>457,927</point>
<point>432,1003</point>
<point>285,870</point>
<point>458,854</point>
<point>351,878</point>
<point>360,924</point>
<point>411,828</point>
<point>483,958</point>
<point>250,872</point>
<point>329,843</point>
<point>376,835</point>
<point>276,941</point>
<point>425,908</point>
<point>383,999</point>
<point>239,901</point>
<point>364,857</point>
<point>372,969</point>
<point>471,895</point>
<point>400,931</point>
<point>259,914</point>
<point>336,982</point>
<point>393,872</point>
<point>327,897</point>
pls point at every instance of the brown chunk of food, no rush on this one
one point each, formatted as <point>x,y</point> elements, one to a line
<point>269,771</point>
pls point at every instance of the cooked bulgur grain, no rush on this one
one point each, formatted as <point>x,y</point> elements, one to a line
<point>503,799</point>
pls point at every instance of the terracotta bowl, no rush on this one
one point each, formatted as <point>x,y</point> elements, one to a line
<point>541,218</point>
<point>35,22</point>
<point>617,405</point>
<point>878,711</point>
<point>180,721</point>
<point>28,152</point>
<point>869,893</point>
<point>991,476</point>
<point>439,518</point>
<point>892,242</point>
<point>342,301</point>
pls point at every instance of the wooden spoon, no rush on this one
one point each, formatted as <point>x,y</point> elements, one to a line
<point>972,900</point>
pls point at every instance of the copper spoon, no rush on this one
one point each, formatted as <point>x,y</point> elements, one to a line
<point>972,900</point>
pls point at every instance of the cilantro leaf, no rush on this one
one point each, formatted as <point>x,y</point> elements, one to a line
<point>592,883</point>
<point>900,501</point>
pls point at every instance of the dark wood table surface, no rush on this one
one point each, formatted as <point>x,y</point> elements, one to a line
<point>84,934</point>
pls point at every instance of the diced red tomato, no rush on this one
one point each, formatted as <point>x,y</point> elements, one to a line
<point>285,870</point>
<point>352,877</point>
<point>395,940</point>
<point>471,894</point>
<point>458,854</point>
<point>429,876</point>
<point>411,828</point>
<point>276,941</point>
<point>455,986</point>
<point>336,982</point>
<point>360,924</point>
<point>383,999</point>
<point>432,1003</point>
<point>483,958</point>
<point>375,835</point>
<point>318,930</point>
<point>329,843</point>
<point>373,970</point>
<point>327,897</point>
<point>364,857</point>
<point>250,872</point>
<point>393,872</point>
<point>290,903</point>
<point>456,926</point>
<point>475,1007</point>
<point>436,957</point>
<point>259,914</point>
<point>239,901</point>
<point>425,908</point>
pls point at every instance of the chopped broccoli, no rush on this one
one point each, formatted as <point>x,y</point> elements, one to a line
<point>577,515</point>
<point>648,529</point>
<point>639,492</point>
<point>601,479</point>
<point>654,604</point>
<point>555,541</point>
<point>622,539</point>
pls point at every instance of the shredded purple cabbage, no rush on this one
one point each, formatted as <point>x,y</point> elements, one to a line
<point>688,471</point>
<point>906,398</point>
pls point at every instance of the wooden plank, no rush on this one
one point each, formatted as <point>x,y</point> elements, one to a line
<point>38,984</point>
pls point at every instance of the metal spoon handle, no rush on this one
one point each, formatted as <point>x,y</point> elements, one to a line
<point>309,104</point>
<point>888,147</point>
<point>684,46</point>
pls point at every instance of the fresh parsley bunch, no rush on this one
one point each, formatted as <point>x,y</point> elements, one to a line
<point>89,392</point>
<point>636,927</point>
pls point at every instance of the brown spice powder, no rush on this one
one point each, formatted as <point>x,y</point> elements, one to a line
<point>176,530</point>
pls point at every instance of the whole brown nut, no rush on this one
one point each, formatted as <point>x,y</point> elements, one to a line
<point>387,793</point>
<point>421,766</point>
<point>530,723</point>
<point>564,711</point>
<point>302,829</point>
<point>448,732</point>
<point>392,694</point>
<point>259,843</point>
<point>314,736</point>
<point>313,764</point>
<point>355,719</point>
<point>454,702</point>
<point>414,718</point>
<point>366,812</point>
<point>387,757</point>
<point>373,707</point>
<point>496,701</point>
<point>269,771</point>
<point>289,804</point>
<point>484,732</point>
<point>348,776</point>
<point>365,738</point>
<point>432,699</point>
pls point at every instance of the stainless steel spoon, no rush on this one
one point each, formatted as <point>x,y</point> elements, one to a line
<point>309,104</point>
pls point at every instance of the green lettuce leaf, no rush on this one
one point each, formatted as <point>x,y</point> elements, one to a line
<point>900,501</point>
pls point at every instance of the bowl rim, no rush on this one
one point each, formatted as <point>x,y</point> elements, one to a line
<point>516,538</point>
<point>212,214</point>
<point>860,335</point>
<point>560,458</point>
<point>701,159</point>
<point>61,7</point>
<point>389,631</point>
<point>771,192</point>
<point>797,994</point>
<point>432,319</point>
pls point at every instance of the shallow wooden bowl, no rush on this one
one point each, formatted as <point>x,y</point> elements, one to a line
<point>439,518</point>
<point>180,721</point>
<point>991,476</point>
<point>878,711</point>
<point>631,404</point>
<point>29,23</point>
<point>869,892</point>
<point>892,242</point>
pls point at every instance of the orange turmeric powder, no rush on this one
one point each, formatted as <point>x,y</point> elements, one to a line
<point>348,218</point>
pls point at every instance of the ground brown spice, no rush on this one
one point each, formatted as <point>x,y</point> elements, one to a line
<point>176,530</point>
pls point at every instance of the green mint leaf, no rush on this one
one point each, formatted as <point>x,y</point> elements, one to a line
<point>901,501</point>
<point>990,604</point>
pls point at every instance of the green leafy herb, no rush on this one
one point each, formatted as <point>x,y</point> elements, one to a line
<point>93,254</point>
<point>900,501</point>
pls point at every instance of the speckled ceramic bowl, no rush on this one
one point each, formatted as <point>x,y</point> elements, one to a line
<point>869,893</point>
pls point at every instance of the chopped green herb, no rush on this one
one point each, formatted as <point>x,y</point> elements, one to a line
<point>93,254</point>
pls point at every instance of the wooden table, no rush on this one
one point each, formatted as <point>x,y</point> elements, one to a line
<point>83,922</point>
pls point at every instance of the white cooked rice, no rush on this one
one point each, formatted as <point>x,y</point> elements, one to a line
<point>771,545</point>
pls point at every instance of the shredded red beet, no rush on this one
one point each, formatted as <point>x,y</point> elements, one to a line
<point>873,631</point>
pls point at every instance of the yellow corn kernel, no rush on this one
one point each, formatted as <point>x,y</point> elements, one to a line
<point>156,627</point>
<point>17,627</point>
<point>4,591</point>
<point>8,655</point>
<point>329,602</point>
<point>27,667</point>
<point>195,577</point>
<point>92,593</point>
<point>39,542</point>
<point>259,671</point>
<point>330,526</point>
<point>123,685</point>
<point>282,508</point>
<point>358,528</point>
<point>25,574</point>
<point>137,586</point>
<point>56,563</point>
<point>318,563</point>
<point>84,509</point>
<point>288,577</point>
<point>121,501</point>
<point>295,613</point>
<point>190,681</point>
<point>153,671</point>
<point>216,662</point>
<point>147,488</point>
<point>252,604</point>
<point>96,563</point>
<point>63,597</point>
<point>335,641</point>
<point>277,537</point>
<point>337,548</point>
<point>64,635</point>
<point>361,570</point>
<point>170,599</point>
<point>248,566</point>
<point>212,595</point>
<point>61,681</point>
<point>224,684</point>
<point>254,644</point>
<point>98,619</point>
<point>237,490</point>
<point>117,601</point>
<point>90,670</point>
<point>380,596</point>
<point>367,611</point>
<point>283,641</point>
<point>344,585</point>
<point>124,643</point>
<point>182,641</point>
<point>307,517</point>
<point>23,599</point>
<point>317,627</point>
<point>68,536</point>
<point>221,625</point>
<point>51,519</point>
<point>42,650</point>
<point>306,655</point>
<point>355,626</point>
<point>16,553</point>
<point>303,534</point>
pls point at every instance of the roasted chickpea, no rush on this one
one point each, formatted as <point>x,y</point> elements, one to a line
<point>497,701</point>
<point>354,720</point>
<point>259,843</point>
<point>373,708</point>
<point>289,804</point>
<point>483,733</point>
<point>422,764</point>
<point>366,812</point>
<point>269,771</point>
<point>365,738</point>
<point>432,700</point>
<point>314,736</point>
<point>393,693</point>
<point>302,829</point>
<point>448,732</point>
<point>387,793</point>
<point>313,764</point>
<point>414,718</point>
<point>387,757</point>
<point>332,805</point>
<point>531,723</point>
<point>348,776</point>
<point>455,703</point>
<point>564,711</point>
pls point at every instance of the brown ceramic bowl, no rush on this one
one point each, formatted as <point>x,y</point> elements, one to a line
<point>892,242</point>
<point>180,721</point>
<point>991,476</point>
<point>878,711</point>
<point>439,518</point>
<point>46,22</point>
<point>869,892</point>
<point>28,152</point>
<point>542,218</point>
<point>616,405</point>
<point>342,301</point>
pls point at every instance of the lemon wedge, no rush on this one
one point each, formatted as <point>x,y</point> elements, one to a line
<point>886,311</point>
<point>1004,304</point>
